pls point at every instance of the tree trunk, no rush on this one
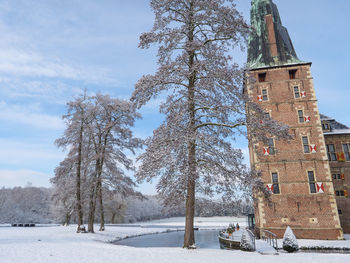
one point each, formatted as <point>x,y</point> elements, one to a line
<point>78,180</point>
<point>102,214</point>
<point>189,241</point>
<point>99,182</point>
<point>113,217</point>
<point>92,204</point>
<point>93,197</point>
<point>67,219</point>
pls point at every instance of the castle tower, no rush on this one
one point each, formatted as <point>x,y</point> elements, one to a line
<point>296,172</point>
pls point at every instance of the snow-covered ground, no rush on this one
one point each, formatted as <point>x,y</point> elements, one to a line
<point>62,244</point>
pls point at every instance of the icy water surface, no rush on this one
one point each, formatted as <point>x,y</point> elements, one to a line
<point>204,239</point>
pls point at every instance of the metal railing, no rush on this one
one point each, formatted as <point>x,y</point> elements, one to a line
<point>252,237</point>
<point>270,238</point>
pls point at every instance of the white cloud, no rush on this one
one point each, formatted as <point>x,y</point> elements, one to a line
<point>29,117</point>
<point>19,62</point>
<point>21,160</point>
<point>12,178</point>
<point>53,91</point>
<point>24,154</point>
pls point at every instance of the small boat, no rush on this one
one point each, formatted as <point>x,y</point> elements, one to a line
<point>230,242</point>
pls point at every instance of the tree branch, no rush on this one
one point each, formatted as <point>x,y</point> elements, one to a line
<point>220,125</point>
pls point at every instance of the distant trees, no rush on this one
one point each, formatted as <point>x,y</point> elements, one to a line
<point>115,206</point>
<point>57,205</point>
<point>193,150</point>
<point>98,135</point>
<point>25,205</point>
<point>206,207</point>
<point>151,207</point>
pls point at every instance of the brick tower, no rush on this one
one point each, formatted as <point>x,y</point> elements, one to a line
<point>296,172</point>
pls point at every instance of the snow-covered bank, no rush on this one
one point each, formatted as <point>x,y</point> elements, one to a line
<point>62,245</point>
<point>200,222</point>
<point>308,243</point>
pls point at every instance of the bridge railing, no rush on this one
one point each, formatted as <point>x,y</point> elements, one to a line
<point>270,238</point>
<point>252,237</point>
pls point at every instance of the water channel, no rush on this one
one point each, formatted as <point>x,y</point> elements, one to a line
<point>204,239</point>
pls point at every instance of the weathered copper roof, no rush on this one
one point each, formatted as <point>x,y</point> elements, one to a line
<point>269,42</point>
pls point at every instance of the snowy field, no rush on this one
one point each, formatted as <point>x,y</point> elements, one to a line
<point>62,244</point>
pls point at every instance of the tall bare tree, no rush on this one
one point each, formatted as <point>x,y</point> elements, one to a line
<point>99,137</point>
<point>76,119</point>
<point>192,150</point>
<point>110,133</point>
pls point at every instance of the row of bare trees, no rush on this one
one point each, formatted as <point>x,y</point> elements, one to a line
<point>98,138</point>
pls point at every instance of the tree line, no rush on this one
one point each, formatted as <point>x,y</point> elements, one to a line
<point>40,205</point>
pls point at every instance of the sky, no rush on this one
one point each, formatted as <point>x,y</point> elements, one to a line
<point>51,50</point>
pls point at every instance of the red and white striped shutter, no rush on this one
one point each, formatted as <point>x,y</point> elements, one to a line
<point>303,94</point>
<point>320,188</point>
<point>307,118</point>
<point>266,151</point>
<point>313,148</point>
<point>260,98</point>
<point>269,187</point>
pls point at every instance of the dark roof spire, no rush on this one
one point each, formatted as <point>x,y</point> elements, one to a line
<point>269,42</point>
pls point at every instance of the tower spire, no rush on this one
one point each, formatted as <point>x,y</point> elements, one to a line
<point>269,42</point>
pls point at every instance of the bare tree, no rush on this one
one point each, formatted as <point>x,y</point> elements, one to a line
<point>25,205</point>
<point>64,199</point>
<point>73,137</point>
<point>115,207</point>
<point>110,134</point>
<point>192,150</point>
<point>99,137</point>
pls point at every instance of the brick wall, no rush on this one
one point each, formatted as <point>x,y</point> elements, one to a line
<point>312,215</point>
<point>342,183</point>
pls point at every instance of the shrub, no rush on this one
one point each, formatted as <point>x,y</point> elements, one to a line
<point>246,242</point>
<point>290,243</point>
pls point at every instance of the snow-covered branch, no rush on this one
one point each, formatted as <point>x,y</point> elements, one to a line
<point>221,125</point>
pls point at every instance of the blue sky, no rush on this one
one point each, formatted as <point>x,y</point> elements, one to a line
<point>51,50</point>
